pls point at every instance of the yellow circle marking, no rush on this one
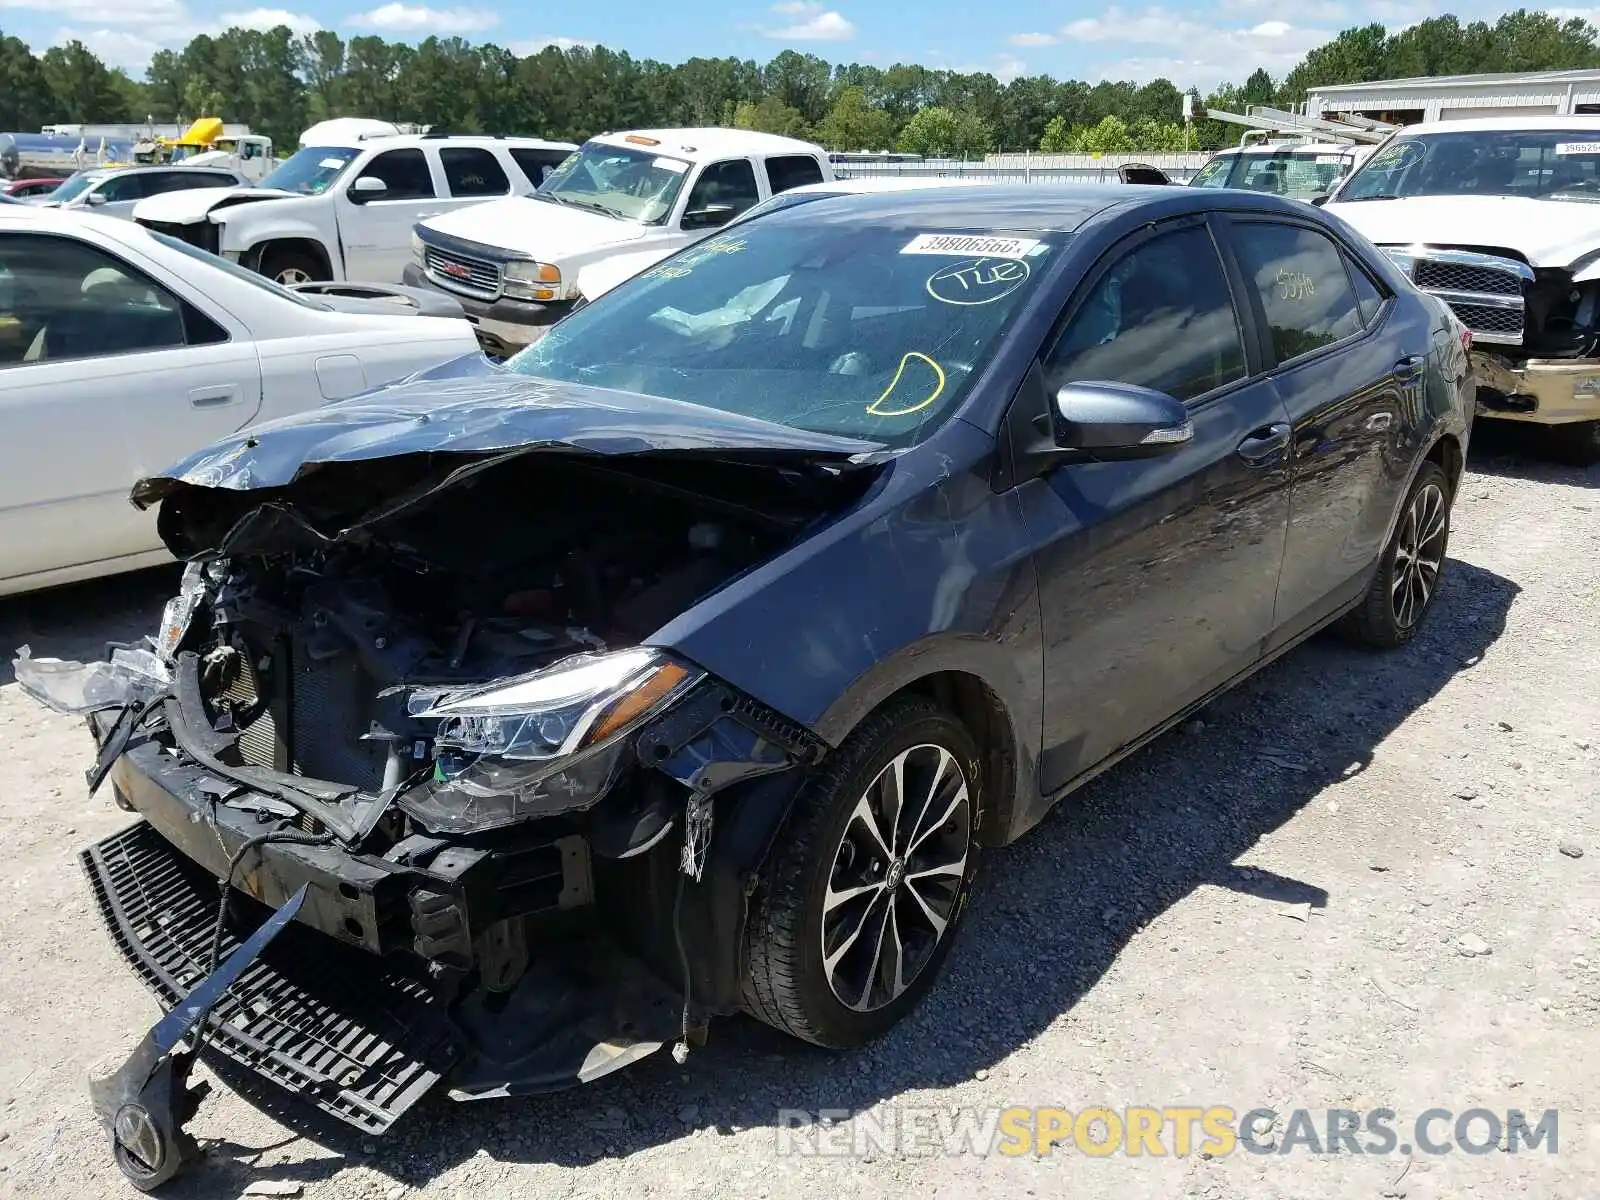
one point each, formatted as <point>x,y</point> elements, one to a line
<point>895,382</point>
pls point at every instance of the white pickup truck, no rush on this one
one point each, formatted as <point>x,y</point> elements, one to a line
<point>625,199</point>
<point>1500,217</point>
<point>343,209</point>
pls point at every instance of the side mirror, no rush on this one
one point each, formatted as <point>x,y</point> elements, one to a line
<point>1319,199</point>
<point>368,187</point>
<point>96,199</point>
<point>712,216</point>
<point>1115,421</point>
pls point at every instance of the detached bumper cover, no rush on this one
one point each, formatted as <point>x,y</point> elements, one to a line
<point>1544,391</point>
<point>329,1023</point>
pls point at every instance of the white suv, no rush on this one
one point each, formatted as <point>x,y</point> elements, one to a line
<point>344,210</point>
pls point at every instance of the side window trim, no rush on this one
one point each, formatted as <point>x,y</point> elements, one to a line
<point>1353,266</point>
<point>1236,222</point>
<point>1113,254</point>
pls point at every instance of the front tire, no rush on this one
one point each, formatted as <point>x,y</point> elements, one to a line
<point>869,881</point>
<point>290,267</point>
<point>1409,573</point>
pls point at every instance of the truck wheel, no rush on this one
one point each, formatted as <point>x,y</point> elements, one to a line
<point>1577,444</point>
<point>290,267</point>
<point>1412,565</point>
<point>873,871</point>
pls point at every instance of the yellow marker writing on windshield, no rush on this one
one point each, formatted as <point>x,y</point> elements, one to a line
<point>905,411</point>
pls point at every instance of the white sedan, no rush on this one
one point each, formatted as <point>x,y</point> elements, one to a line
<point>122,350</point>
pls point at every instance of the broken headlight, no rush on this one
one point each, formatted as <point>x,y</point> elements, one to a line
<point>539,744</point>
<point>179,612</point>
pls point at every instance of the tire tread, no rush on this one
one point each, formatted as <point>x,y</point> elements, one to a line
<point>771,980</point>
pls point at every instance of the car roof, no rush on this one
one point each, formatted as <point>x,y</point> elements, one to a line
<point>706,143</point>
<point>355,140</point>
<point>1030,207</point>
<point>881,183</point>
<point>1533,121</point>
<point>147,168</point>
<point>34,218</point>
<point>1281,148</point>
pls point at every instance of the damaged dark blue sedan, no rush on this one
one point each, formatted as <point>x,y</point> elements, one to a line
<point>682,665</point>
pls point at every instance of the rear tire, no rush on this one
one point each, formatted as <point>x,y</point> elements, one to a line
<point>1402,591</point>
<point>1577,444</point>
<point>849,933</point>
<point>290,267</point>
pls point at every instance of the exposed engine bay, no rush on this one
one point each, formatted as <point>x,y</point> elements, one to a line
<point>311,655</point>
<point>410,703</point>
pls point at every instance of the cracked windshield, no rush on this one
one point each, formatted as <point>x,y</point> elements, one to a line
<point>817,323</point>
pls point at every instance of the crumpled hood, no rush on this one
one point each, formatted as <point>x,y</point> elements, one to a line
<point>541,229</point>
<point>1552,233</point>
<point>194,205</point>
<point>470,407</point>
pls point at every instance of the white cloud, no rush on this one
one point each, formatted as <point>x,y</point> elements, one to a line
<point>1197,52</point>
<point>1305,10</point>
<point>1033,39</point>
<point>269,18</point>
<point>1004,67</point>
<point>812,23</point>
<point>114,47</point>
<point>1008,67</point>
<point>106,12</point>
<point>1591,15</point>
<point>533,46</point>
<point>416,18</point>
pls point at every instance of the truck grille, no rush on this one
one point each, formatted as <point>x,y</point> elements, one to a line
<point>337,1027</point>
<point>1486,321</point>
<point>1484,290</point>
<point>1435,276</point>
<point>462,273</point>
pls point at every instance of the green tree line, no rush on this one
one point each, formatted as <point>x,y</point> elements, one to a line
<point>279,83</point>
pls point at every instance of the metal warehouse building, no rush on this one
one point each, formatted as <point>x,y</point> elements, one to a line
<point>1460,97</point>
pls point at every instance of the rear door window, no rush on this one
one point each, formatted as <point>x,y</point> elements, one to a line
<point>473,171</point>
<point>1299,277</point>
<point>537,163</point>
<point>791,171</point>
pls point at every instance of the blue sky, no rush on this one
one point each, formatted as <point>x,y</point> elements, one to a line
<point>1189,43</point>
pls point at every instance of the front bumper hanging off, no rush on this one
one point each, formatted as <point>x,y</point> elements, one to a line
<point>327,1022</point>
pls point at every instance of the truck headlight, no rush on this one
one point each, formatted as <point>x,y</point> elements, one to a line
<point>417,248</point>
<point>539,744</point>
<point>532,281</point>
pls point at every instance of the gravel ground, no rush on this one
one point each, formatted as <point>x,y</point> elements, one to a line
<point>1359,881</point>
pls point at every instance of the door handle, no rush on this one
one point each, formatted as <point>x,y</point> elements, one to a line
<point>1264,445</point>
<point>1410,366</point>
<point>213,397</point>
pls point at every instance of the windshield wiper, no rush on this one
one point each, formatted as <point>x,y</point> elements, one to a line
<point>596,206</point>
<point>1359,199</point>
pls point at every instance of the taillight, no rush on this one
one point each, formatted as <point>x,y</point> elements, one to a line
<point>1466,340</point>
